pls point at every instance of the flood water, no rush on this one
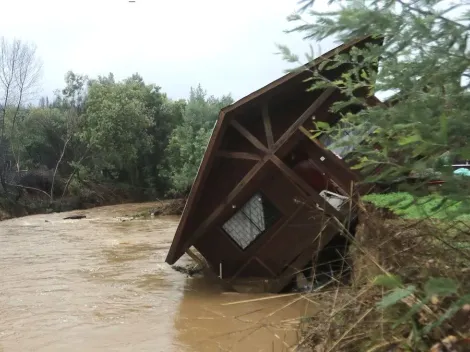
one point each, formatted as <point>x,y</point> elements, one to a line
<point>101,284</point>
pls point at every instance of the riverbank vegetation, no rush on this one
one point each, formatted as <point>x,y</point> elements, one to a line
<point>97,141</point>
<point>408,259</point>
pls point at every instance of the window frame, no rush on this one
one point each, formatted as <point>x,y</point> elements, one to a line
<point>269,221</point>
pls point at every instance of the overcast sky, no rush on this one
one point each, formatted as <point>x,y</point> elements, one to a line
<point>226,46</point>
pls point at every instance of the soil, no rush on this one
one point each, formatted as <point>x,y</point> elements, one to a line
<point>4,215</point>
<point>38,204</point>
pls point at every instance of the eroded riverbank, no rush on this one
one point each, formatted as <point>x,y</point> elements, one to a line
<point>101,284</point>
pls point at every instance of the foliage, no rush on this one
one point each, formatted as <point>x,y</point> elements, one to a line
<point>189,140</point>
<point>410,207</point>
<point>40,137</point>
<point>418,58</point>
<point>124,133</point>
<point>432,294</point>
<point>424,61</point>
<point>117,119</point>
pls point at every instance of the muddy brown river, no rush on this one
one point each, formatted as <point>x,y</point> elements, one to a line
<point>101,284</point>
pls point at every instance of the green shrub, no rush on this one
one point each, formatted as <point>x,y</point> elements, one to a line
<point>409,207</point>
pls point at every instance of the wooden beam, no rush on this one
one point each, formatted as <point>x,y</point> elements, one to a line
<point>238,155</point>
<point>267,126</point>
<point>290,131</point>
<point>265,266</point>
<point>306,133</point>
<point>307,114</point>
<point>194,195</point>
<point>304,187</point>
<point>254,258</point>
<point>202,262</point>
<point>245,133</point>
<point>229,199</point>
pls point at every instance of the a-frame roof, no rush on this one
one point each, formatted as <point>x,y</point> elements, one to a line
<point>182,238</point>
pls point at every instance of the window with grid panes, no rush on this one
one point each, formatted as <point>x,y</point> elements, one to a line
<point>251,221</point>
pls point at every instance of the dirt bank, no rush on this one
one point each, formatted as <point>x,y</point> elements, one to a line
<point>39,204</point>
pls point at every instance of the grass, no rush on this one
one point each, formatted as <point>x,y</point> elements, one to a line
<point>408,207</point>
<point>367,316</point>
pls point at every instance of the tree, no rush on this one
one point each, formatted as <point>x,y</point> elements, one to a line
<point>20,70</point>
<point>424,61</point>
<point>166,116</point>
<point>189,140</point>
<point>74,93</point>
<point>116,121</point>
<point>41,133</point>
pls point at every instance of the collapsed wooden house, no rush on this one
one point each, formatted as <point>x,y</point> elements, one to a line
<point>257,208</point>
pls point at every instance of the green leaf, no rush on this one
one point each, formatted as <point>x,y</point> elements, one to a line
<point>321,125</point>
<point>339,83</point>
<point>388,281</point>
<point>322,65</point>
<point>396,296</point>
<point>363,162</point>
<point>449,313</point>
<point>409,139</point>
<point>440,286</point>
<point>444,128</point>
<point>364,74</point>
<point>410,313</point>
<point>316,135</point>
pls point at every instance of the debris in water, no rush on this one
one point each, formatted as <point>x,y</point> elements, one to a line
<point>75,217</point>
<point>189,270</point>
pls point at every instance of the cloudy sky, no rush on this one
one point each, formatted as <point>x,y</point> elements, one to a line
<point>226,46</point>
